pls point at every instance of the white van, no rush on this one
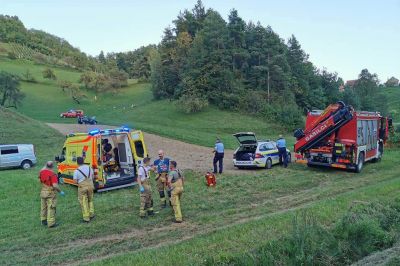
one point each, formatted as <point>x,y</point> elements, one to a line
<point>17,155</point>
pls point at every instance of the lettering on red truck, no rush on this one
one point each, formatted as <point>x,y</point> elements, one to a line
<point>315,133</point>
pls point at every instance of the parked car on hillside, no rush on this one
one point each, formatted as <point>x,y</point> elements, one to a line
<point>87,120</point>
<point>72,114</point>
<point>253,153</point>
<point>17,155</point>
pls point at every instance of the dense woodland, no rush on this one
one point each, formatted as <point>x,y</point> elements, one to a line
<point>204,60</point>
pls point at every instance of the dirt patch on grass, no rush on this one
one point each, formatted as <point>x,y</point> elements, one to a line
<point>188,156</point>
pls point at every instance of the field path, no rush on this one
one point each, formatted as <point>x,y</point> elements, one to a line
<point>188,156</point>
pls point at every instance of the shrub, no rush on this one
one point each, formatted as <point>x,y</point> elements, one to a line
<point>12,55</point>
<point>49,74</point>
<point>191,103</point>
<point>28,77</point>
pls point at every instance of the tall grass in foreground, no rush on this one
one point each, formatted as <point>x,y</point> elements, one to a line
<point>365,228</point>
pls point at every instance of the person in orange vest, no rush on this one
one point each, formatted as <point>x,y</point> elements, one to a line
<point>48,196</point>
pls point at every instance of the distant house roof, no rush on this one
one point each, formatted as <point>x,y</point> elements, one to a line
<point>351,83</point>
<point>392,82</point>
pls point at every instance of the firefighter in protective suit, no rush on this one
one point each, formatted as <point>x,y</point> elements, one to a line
<point>146,200</point>
<point>175,184</point>
<point>48,196</point>
<point>161,167</point>
<point>84,177</point>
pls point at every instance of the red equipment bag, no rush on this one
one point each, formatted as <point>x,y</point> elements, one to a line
<point>211,180</point>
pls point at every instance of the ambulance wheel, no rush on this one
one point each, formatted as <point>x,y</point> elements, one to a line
<point>26,164</point>
<point>268,164</point>
<point>360,163</point>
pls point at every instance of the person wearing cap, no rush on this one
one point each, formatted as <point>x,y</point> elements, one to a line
<point>218,156</point>
<point>281,145</point>
<point>48,196</point>
<point>143,180</point>
<point>83,176</point>
<point>161,168</point>
<point>175,185</point>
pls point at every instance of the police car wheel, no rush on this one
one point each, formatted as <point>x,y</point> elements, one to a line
<point>26,164</point>
<point>268,164</point>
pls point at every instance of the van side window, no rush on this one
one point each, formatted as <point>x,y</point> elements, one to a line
<point>9,150</point>
<point>139,148</point>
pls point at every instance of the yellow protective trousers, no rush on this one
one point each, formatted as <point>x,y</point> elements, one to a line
<point>85,197</point>
<point>176,195</point>
<point>146,200</point>
<point>48,203</point>
<point>162,186</point>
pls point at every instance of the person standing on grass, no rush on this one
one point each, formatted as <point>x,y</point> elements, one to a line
<point>161,168</point>
<point>83,176</point>
<point>175,185</point>
<point>48,196</point>
<point>218,156</point>
<point>143,180</point>
<point>281,145</point>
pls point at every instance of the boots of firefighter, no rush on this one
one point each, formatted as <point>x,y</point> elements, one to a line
<point>150,210</point>
<point>162,199</point>
<point>169,197</point>
<point>142,212</point>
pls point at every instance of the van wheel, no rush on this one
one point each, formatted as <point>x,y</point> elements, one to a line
<point>26,164</point>
<point>268,164</point>
<point>360,163</point>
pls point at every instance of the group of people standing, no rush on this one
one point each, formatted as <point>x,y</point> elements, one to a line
<point>169,182</point>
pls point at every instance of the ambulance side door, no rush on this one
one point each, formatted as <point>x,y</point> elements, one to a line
<point>138,145</point>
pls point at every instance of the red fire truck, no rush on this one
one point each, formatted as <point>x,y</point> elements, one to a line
<point>341,137</point>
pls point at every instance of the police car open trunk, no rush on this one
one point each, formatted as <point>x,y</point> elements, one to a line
<point>248,146</point>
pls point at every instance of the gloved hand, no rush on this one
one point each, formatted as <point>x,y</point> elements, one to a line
<point>141,189</point>
<point>62,193</point>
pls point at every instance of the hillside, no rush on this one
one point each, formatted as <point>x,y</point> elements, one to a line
<point>393,99</point>
<point>134,106</point>
<point>243,215</point>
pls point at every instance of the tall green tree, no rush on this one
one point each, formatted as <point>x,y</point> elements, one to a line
<point>10,93</point>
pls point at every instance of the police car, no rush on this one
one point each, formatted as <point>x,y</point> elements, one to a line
<point>253,153</point>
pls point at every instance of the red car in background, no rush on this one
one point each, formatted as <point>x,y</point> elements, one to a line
<point>72,114</point>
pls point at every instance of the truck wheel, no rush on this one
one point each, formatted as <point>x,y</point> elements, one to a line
<point>380,153</point>
<point>360,163</point>
<point>26,164</point>
<point>268,164</point>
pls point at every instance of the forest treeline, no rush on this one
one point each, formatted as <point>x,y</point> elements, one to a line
<point>204,60</point>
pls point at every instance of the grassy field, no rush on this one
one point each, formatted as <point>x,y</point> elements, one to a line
<point>45,101</point>
<point>393,97</point>
<point>242,214</point>
<point>239,215</point>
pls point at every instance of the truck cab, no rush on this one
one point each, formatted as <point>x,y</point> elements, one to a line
<point>115,166</point>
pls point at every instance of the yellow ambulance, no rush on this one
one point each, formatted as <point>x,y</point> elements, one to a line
<point>114,155</point>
